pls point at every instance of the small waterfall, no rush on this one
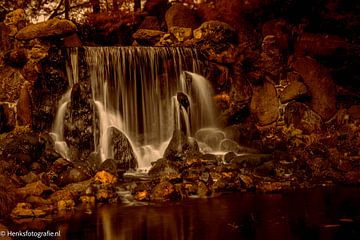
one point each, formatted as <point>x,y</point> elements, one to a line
<point>58,126</point>
<point>135,89</point>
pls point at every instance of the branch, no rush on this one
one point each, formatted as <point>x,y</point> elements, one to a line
<point>56,9</point>
<point>72,7</point>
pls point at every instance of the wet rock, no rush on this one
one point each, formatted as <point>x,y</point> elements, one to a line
<point>302,117</point>
<point>247,182</point>
<point>24,107</point>
<point>65,204</point>
<point>36,188</point>
<point>317,165</point>
<point>25,210</point>
<point>16,58</point>
<point>50,28</point>
<point>104,195</point>
<point>264,104</point>
<point>216,32</point>
<point>164,191</point>
<point>104,177</point>
<point>203,190</point>
<point>150,23</point>
<point>73,175</point>
<point>38,201</point>
<point>320,84</point>
<point>113,167</point>
<point>229,156</point>
<point>78,189</point>
<point>181,147</point>
<point>273,186</point>
<point>88,199</point>
<point>251,160</point>
<point>293,91</point>
<point>142,196</point>
<point>180,16</point>
<point>266,169</point>
<point>123,152</point>
<point>180,33</point>
<point>61,195</point>
<point>163,167</point>
<point>60,165</point>
<point>30,177</point>
<point>147,37</point>
<point>7,118</point>
<point>5,43</point>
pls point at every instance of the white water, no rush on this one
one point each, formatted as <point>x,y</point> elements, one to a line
<point>58,126</point>
<point>133,90</point>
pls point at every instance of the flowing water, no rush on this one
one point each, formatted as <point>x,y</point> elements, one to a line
<point>146,93</point>
<point>325,214</point>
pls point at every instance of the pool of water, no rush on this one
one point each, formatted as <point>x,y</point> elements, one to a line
<point>308,214</point>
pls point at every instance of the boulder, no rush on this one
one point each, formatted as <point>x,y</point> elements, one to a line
<point>36,188</point>
<point>293,91</point>
<point>180,33</point>
<point>105,178</point>
<point>164,191</point>
<point>302,117</point>
<point>216,32</point>
<point>264,104</point>
<point>11,82</point>
<point>320,84</point>
<point>7,117</point>
<point>181,147</point>
<point>147,37</point>
<point>72,175</point>
<point>15,58</point>
<point>180,16</point>
<point>150,23</point>
<point>122,149</point>
<point>50,28</point>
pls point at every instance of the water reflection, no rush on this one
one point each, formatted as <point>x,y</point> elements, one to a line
<point>316,214</point>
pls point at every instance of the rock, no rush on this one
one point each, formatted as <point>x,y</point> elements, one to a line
<point>354,112</point>
<point>247,182</point>
<point>16,58</point>
<point>61,195</point>
<point>73,175</point>
<point>11,82</point>
<point>142,196</point>
<point>88,199</point>
<point>164,191</point>
<point>25,148</point>
<point>203,190</point>
<point>280,29</point>
<point>264,104</point>
<point>72,41</point>
<point>123,152</point>
<point>24,107</point>
<point>49,28</point>
<point>15,20</point>
<point>5,42</point>
<point>302,117</point>
<point>251,160</point>
<point>273,186</point>
<point>215,32</point>
<point>24,210</point>
<point>150,23</point>
<point>180,16</point>
<point>38,201</point>
<point>7,199</point>
<point>147,37</point>
<point>65,204</point>
<point>36,188</point>
<point>163,167</point>
<point>270,58</point>
<point>293,91</point>
<point>314,44</point>
<point>30,177</point>
<point>105,178</point>
<point>104,195</point>
<point>7,118</point>
<point>180,33</point>
<point>181,147</point>
<point>320,84</point>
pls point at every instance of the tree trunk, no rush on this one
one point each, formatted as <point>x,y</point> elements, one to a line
<point>96,6</point>
<point>137,5</point>
<point>67,9</point>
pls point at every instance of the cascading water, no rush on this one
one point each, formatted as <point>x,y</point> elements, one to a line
<point>133,90</point>
<point>58,127</point>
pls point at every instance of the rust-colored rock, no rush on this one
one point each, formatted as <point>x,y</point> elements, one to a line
<point>72,41</point>
<point>264,104</point>
<point>294,90</point>
<point>270,58</point>
<point>37,189</point>
<point>164,191</point>
<point>50,28</point>
<point>147,37</point>
<point>320,84</point>
<point>25,210</point>
<point>23,107</point>
<point>65,204</point>
<point>180,16</point>
<point>105,178</point>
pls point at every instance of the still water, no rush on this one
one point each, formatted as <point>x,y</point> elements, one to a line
<point>309,214</point>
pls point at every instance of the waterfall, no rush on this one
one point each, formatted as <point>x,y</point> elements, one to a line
<point>58,126</point>
<point>133,87</point>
